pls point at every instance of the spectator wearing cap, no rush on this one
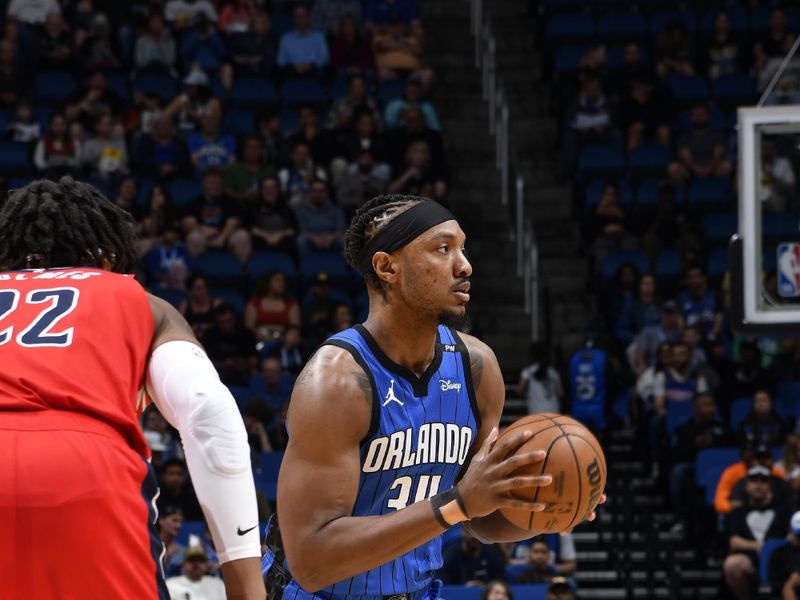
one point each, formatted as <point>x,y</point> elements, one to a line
<point>560,589</point>
<point>763,426</point>
<point>784,564</point>
<point>650,338</point>
<point>780,488</point>
<point>762,516</point>
<point>32,13</point>
<point>176,489</point>
<point>750,456</point>
<point>170,521</point>
<point>320,223</point>
<point>701,152</point>
<point>394,116</point>
<point>231,347</point>
<point>703,430</point>
<point>185,13</point>
<point>194,583</point>
<point>327,14</point>
<point>302,52</point>
<point>194,102</point>
<point>155,48</point>
<point>209,147</point>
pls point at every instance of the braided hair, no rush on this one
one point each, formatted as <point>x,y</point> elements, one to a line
<point>64,224</point>
<point>368,220</point>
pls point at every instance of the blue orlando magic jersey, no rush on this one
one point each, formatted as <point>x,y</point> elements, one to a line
<point>421,433</point>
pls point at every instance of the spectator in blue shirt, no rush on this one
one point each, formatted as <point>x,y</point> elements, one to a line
<point>321,223</point>
<point>395,116</point>
<point>302,52</point>
<point>168,262</point>
<point>700,304</point>
<point>210,148</point>
<point>379,12</point>
<point>272,385</point>
<point>203,45</point>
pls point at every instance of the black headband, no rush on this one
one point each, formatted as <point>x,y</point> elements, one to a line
<point>402,229</point>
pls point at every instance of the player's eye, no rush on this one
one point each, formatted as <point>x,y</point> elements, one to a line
<point>443,249</point>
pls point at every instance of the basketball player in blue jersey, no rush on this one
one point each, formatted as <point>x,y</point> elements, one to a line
<point>393,426</point>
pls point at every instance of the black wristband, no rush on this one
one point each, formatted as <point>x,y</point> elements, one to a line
<point>438,514</point>
<point>460,501</point>
<point>443,498</point>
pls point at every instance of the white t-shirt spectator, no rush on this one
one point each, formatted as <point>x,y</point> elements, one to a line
<point>541,396</point>
<point>208,588</point>
<point>32,12</point>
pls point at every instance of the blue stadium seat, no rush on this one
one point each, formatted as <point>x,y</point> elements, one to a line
<point>536,591</point>
<point>219,268</point>
<point>14,159</point>
<point>621,406</point>
<point>615,57</point>
<point>615,260</point>
<point>339,89</point>
<point>647,193</point>
<point>188,528</point>
<point>733,89</point>
<point>323,262</point>
<point>568,58</point>
<point>660,20</point>
<point>296,92</point>
<point>270,464</point>
<point>668,263</point>
<point>569,27</point>
<point>717,262</point>
<point>42,115</point>
<point>709,465</point>
<point>650,158</point>
<point>240,393</point>
<point>290,120</point>
<point>460,592</point>
<point>253,92</point>
<point>174,297</point>
<point>778,227</point>
<point>594,191</point>
<point>621,26</point>
<point>688,88</point>
<point>163,86</point>
<point>787,396</point>
<point>719,227</point>
<point>740,408</point>
<point>391,90</point>
<point>54,87</point>
<point>769,546</point>
<point>16,183</point>
<point>230,296</point>
<point>143,194</point>
<point>240,122</point>
<point>710,191</point>
<point>119,85</point>
<point>677,414</point>
<point>264,262</point>
<point>281,23</point>
<point>268,487</point>
<point>599,159</point>
<point>184,191</point>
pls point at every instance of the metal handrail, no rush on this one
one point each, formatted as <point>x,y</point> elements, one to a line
<point>527,252</point>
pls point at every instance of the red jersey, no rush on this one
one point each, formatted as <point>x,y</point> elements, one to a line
<point>76,340</point>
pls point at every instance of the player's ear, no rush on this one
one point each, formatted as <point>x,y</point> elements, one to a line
<point>385,267</point>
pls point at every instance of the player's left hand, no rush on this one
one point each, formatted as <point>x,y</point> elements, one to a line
<point>592,515</point>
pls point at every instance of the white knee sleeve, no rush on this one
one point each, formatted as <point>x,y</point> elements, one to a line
<point>187,390</point>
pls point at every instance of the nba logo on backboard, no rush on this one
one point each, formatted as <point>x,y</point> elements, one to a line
<point>789,270</point>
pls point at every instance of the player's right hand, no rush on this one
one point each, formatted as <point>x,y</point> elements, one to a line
<point>488,480</point>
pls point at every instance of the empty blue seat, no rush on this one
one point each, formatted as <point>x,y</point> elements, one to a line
<point>615,260</point>
<point>568,58</point>
<point>677,414</point>
<point>767,548</point>
<point>461,592</point>
<point>709,465</point>
<point>717,262</point>
<point>281,23</point>
<point>229,296</point>
<point>719,227</point>
<point>668,263</point>
<point>265,262</point>
<point>174,297</point>
<point>595,189</point>
<point>733,88</point>
<point>184,191</point>
<point>650,157</point>
<point>623,26</point>
<point>54,87</point>
<point>240,122</point>
<point>601,159</point>
<point>14,158</point>
<point>253,92</point>
<point>119,85</point>
<point>712,190</point>
<point>163,86</point>
<point>787,397</point>
<point>218,267</point>
<point>740,408</point>
<point>188,528</point>
<point>303,91</point>
<point>329,263</point>
<point>534,591</point>
<point>688,88</point>
<point>391,90</point>
<point>569,27</point>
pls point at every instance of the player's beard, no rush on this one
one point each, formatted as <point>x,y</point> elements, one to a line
<point>459,322</point>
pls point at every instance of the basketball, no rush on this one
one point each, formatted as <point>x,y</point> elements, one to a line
<point>575,460</point>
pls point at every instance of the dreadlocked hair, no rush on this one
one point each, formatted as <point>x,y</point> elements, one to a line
<point>64,224</point>
<point>374,215</point>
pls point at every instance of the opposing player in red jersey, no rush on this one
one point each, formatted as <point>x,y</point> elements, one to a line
<point>79,345</point>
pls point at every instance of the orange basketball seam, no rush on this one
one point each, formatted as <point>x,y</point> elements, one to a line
<point>544,466</point>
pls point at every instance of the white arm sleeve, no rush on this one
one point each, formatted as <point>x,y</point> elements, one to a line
<point>187,390</point>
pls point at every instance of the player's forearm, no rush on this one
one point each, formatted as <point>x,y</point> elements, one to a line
<point>494,528</point>
<point>243,579</point>
<point>359,544</point>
